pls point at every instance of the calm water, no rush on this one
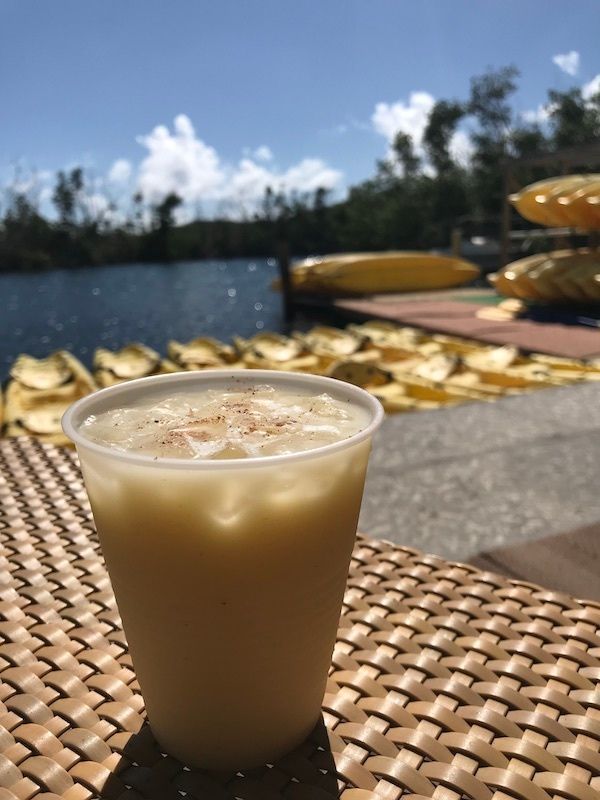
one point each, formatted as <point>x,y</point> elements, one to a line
<point>81,309</point>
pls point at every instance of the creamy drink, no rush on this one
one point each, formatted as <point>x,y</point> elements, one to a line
<point>226,505</point>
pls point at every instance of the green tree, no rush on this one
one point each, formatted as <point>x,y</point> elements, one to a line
<point>63,199</point>
<point>164,212</point>
<point>528,140</point>
<point>489,104</point>
<point>159,242</point>
<point>67,195</point>
<point>137,221</point>
<point>268,205</point>
<point>404,151</point>
<point>573,119</point>
<point>27,240</point>
<point>441,125</point>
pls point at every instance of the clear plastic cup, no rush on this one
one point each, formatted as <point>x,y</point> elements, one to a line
<point>229,574</point>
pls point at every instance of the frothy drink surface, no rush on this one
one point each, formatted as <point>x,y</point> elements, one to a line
<point>227,423</point>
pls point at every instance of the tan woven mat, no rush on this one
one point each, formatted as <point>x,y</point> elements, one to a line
<point>446,682</point>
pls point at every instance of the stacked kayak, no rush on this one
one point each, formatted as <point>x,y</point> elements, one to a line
<point>567,275</point>
<point>133,361</point>
<point>39,391</point>
<point>571,201</point>
<point>562,276</point>
<point>372,273</point>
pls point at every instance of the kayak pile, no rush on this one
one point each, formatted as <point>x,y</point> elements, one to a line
<point>569,201</point>
<point>377,273</point>
<point>406,368</point>
<point>562,276</point>
<point>38,393</point>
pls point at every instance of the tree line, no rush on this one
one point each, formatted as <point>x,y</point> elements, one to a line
<point>413,201</point>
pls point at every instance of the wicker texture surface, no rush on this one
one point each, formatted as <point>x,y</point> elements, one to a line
<point>446,682</point>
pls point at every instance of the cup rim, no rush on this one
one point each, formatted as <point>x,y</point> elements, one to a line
<point>78,411</point>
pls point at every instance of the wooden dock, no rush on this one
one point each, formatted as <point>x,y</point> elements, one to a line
<point>450,311</point>
<point>442,313</point>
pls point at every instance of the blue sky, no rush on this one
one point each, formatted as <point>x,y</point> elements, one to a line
<point>263,90</point>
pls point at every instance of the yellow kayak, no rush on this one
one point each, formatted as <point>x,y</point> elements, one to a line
<point>38,393</point>
<point>581,206</point>
<point>511,280</point>
<point>554,277</point>
<point>371,273</point>
<point>560,201</point>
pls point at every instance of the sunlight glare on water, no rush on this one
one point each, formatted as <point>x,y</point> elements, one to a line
<point>81,309</point>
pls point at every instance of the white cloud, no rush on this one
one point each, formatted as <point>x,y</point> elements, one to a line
<point>177,160</point>
<point>537,116</point>
<point>461,148</point>
<point>337,130</point>
<point>411,118</point>
<point>263,153</point>
<point>96,204</point>
<point>46,195</point>
<point>589,89</point>
<point>541,114</point>
<point>36,185</point>
<point>567,62</point>
<point>180,162</point>
<point>249,180</point>
<point>351,124</point>
<point>24,184</point>
<point>310,174</point>
<point>120,172</point>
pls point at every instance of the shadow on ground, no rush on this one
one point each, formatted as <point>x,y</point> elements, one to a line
<point>307,773</point>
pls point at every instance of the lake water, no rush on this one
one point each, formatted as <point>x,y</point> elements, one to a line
<point>81,309</point>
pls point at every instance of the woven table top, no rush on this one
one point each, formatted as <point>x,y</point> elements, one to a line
<point>446,682</point>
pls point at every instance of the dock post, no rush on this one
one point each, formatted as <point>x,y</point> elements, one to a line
<point>283,264</point>
<point>505,219</point>
<point>456,242</point>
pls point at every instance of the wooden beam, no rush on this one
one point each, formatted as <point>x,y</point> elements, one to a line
<point>505,219</point>
<point>581,155</point>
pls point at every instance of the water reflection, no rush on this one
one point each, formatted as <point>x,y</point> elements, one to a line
<point>79,309</point>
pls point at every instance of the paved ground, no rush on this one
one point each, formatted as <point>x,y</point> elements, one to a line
<point>478,476</point>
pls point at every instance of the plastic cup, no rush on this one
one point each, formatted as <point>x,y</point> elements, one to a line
<point>229,574</point>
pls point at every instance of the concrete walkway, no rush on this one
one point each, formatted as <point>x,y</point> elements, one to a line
<point>470,478</point>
